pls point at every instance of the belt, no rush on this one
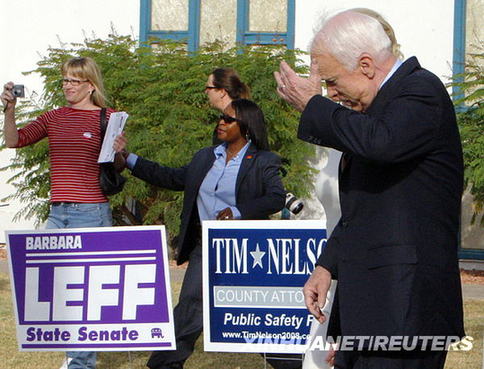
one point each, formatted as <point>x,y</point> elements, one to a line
<point>59,203</point>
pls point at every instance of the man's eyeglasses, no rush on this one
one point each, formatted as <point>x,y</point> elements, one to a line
<point>209,88</point>
<point>73,82</point>
<point>228,119</point>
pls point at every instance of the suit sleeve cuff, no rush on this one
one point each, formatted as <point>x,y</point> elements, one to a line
<point>328,260</point>
<point>315,125</point>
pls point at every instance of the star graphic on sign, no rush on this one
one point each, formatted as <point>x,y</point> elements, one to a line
<point>257,255</point>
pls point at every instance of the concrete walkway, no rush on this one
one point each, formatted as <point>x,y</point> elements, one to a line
<point>469,291</point>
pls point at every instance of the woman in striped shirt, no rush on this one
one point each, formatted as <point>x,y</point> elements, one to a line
<point>74,145</point>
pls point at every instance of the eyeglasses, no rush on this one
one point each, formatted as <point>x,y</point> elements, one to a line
<point>73,82</point>
<point>228,119</point>
<point>210,88</point>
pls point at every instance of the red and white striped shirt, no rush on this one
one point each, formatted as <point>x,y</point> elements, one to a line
<point>74,145</point>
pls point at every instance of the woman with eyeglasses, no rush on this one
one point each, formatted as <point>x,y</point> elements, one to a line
<point>74,145</point>
<point>238,179</point>
<point>224,86</point>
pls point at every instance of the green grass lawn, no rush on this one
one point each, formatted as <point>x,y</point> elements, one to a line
<point>11,358</point>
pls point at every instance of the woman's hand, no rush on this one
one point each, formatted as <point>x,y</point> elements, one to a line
<point>225,214</point>
<point>119,147</point>
<point>10,132</point>
<point>7,97</point>
<point>120,143</point>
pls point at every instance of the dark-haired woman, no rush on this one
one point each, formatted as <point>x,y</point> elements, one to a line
<point>224,86</point>
<point>238,179</point>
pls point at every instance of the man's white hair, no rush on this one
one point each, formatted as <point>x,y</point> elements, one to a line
<point>349,34</point>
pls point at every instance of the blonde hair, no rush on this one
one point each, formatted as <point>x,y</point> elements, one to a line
<point>386,27</point>
<point>86,68</point>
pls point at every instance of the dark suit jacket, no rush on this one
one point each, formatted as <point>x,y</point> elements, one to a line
<point>259,190</point>
<point>394,250</point>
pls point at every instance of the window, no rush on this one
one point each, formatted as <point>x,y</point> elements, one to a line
<point>468,36</point>
<point>261,22</point>
<point>171,19</point>
<point>249,22</point>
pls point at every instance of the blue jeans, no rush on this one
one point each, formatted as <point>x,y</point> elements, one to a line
<point>77,215</point>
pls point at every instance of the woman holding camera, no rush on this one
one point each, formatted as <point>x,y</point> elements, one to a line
<point>238,179</point>
<point>74,144</point>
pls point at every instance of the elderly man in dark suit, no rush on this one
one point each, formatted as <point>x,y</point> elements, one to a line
<point>394,250</point>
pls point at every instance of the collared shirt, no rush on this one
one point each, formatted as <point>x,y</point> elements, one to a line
<point>392,72</point>
<point>217,191</point>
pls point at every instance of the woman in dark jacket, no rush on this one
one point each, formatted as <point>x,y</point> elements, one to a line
<point>238,179</point>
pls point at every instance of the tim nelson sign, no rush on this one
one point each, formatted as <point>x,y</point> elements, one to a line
<point>254,272</point>
<point>91,288</point>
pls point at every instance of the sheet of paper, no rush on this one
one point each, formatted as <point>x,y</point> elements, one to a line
<point>115,127</point>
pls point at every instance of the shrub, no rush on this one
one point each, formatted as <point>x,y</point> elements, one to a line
<point>162,89</point>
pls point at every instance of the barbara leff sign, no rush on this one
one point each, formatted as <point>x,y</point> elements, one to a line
<point>253,276</point>
<point>91,289</point>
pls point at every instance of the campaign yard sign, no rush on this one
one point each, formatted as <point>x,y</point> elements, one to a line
<point>91,289</point>
<point>253,274</point>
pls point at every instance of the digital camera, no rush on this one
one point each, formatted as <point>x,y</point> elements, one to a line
<point>293,204</point>
<point>18,91</point>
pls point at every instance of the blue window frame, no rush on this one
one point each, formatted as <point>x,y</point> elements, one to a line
<point>243,35</point>
<point>190,36</point>
<point>459,54</point>
<point>458,67</point>
<point>246,37</point>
